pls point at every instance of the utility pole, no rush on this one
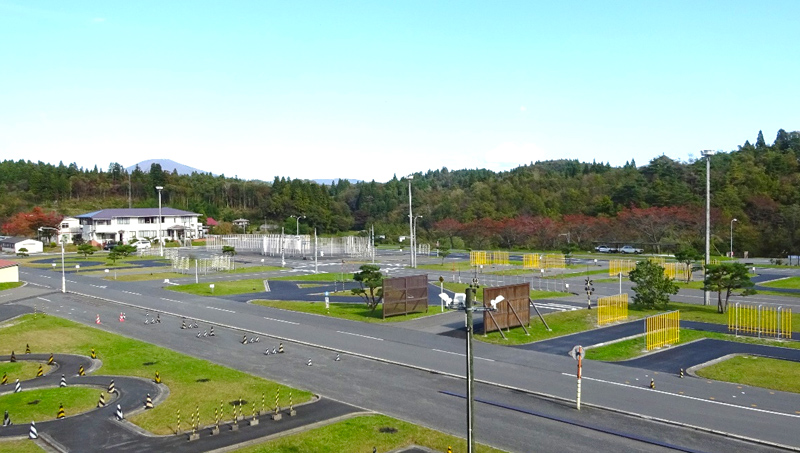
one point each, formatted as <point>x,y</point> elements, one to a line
<point>707,154</point>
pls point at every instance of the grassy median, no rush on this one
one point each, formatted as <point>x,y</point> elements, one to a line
<point>756,371</point>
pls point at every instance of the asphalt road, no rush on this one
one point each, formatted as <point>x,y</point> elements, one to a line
<point>430,360</point>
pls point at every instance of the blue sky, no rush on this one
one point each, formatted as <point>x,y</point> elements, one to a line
<point>367,90</point>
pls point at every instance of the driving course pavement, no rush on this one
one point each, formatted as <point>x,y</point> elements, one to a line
<point>430,363</point>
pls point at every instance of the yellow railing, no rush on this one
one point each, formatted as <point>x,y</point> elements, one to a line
<point>478,258</point>
<point>612,308</point>
<point>617,266</point>
<point>500,258</point>
<point>661,330</point>
<point>766,320</point>
<point>660,260</point>
<point>531,261</point>
<point>554,261</point>
<point>675,270</point>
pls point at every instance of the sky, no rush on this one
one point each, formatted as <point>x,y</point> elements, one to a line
<point>371,89</point>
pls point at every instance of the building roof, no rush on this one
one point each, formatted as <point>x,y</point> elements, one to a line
<point>133,212</point>
<point>16,239</point>
<point>211,222</point>
<point>5,263</point>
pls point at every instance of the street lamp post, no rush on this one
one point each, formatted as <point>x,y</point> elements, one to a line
<point>297,223</point>
<point>160,243</point>
<point>415,239</point>
<point>707,154</point>
<point>411,223</point>
<point>734,220</point>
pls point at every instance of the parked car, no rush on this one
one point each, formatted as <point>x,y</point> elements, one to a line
<point>630,250</point>
<point>109,245</point>
<point>605,249</point>
<point>141,244</point>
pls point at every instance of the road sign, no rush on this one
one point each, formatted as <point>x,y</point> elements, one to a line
<point>576,352</point>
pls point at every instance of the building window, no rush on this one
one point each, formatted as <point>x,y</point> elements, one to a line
<point>64,225</point>
<point>123,220</point>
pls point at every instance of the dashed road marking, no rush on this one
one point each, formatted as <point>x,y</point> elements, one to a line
<point>359,335</point>
<point>282,320</point>
<point>131,292</point>
<point>42,298</point>
<point>220,309</point>
<point>173,300</point>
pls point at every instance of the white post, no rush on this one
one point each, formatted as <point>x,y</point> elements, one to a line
<point>63,273</point>
<point>620,282</point>
<point>316,253</point>
<point>707,154</point>
<point>734,220</point>
<point>283,257</point>
<point>411,222</point>
<point>160,243</point>
<point>196,276</point>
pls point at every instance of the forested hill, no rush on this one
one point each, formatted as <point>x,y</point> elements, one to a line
<point>657,205</point>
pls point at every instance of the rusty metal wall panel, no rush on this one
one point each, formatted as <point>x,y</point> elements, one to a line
<point>403,295</point>
<point>515,295</point>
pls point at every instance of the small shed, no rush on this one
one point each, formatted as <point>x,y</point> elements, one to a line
<point>14,244</point>
<point>9,271</point>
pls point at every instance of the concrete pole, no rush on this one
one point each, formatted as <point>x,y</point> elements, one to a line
<point>707,154</point>
<point>63,273</point>
<point>470,372</point>
<point>160,243</point>
<point>411,223</point>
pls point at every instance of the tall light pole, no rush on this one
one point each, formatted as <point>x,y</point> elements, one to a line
<point>160,244</point>
<point>63,272</point>
<point>297,222</point>
<point>734,220</point>
<point>415,239</point>
<point>411,223</point>
<point>707,154</point>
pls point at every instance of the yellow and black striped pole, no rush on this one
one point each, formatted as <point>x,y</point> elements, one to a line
<point>61,413</point>
<point>277,397</point>
<point>40,372</point>
<point>5,379</point>
<point>216,417</point>
<point>13,357</point>
<point>27,349</point>
<point>51,359</point>
<point>158,378</point>
<point>81,372</point>
<point>263,411</point>
<point>178,431</point>
<point>240,407</point>
<point>290,402</point>
<point>221,412</point>
<point>197,419</point>
<point>94,354</point>
<point>191,422</point>
<point>102,401</point>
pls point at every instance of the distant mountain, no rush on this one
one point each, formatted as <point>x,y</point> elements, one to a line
<point>329,182</point>
<point>166,165</point>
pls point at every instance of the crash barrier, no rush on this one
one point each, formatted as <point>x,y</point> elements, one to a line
<point>531,261</point>
<point>675,270</point>
<point>661,330</point>
<point>290,245</point>
<point>615,267</point>
<point>554,261</point>
<point>660,260</point>
<point>500,258</point>
<point>478,258</point>
<point>184,264</point>
<point>612,308</point>
<point>761,320</point>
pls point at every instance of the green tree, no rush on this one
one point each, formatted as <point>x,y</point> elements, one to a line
<point>444,252</point>
<point>727,277</point>
<point>688,255</point>
<point>86,250</point>
<point>370,280</point>
<point>22,252</point>
<point>653,287</point>
<point>228,250</point>
<point>123,250</point>
<point>114,255</point>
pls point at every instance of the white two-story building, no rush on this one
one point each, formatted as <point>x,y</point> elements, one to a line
<point>124,225</point>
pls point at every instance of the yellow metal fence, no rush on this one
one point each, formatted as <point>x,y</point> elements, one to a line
<point>675,270</point>
<point>500,258</point>
<point>761,320</point>
<point>612,308</point>
<point>531,261</point>
<point>478,258</point>
<point>661,330</point>
<point>617,266</point>
<point>554,261</point>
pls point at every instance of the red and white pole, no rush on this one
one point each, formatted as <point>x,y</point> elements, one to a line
<point>580,364</point>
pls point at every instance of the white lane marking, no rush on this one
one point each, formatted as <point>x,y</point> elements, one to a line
<point>220,309</point>
<point>173,300</point>
<point>282,320</point>
<point>754,409</point>
<point>462,355</point>
<point>98,286</point>
<point>359,335</point>
<point>42,298</point>
<point>130,292</point>
<point>46,276</point>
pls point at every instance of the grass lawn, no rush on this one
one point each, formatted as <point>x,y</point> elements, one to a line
<point>42,405</point>
<point>19,446</point>
<point>535,294</point>
<point>191,381</point>
<point>756,371</point>
<point>9,285</point>
<point>222,288</point>
<point>635,347</point>
<point>692,312</point>
<point>247,269</point>
<point>326,277</point>
<point>562,323</point>
<point>21,370</point>
<point>791,282</point>
<point>353,312</point>
<point>361,434</point>
<point>146,276</point>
